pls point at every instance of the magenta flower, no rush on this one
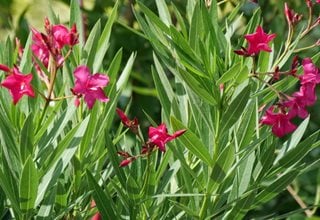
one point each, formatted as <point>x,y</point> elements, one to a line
<point>280,122</point>
<point>89,86</point>
<point>258,41</point>
<point>308,91</point>
<point>56,37</point>
<point>159,136</point>
<point>311,73</point>
<point>63,36</point>
<point>18,84</point>
<point>297,106</point>
<point>39,47</point>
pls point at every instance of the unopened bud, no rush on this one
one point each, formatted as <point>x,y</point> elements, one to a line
<point>309,3</point>
<point>126,162</point>
<point>5,68</point>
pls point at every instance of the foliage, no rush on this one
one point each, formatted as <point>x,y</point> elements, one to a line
<point>56,159</point>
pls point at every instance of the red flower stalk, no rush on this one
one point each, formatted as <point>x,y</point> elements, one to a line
<point>291,16</point>
<point>276,74</point>
<point>294,66</point>
<point>18,84</point>
<point>124,154</point>
<point>131,124</point>
<point>159,136</point>
<point>89,86</point>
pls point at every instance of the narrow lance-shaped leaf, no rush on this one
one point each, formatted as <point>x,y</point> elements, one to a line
<point>103,201</point>
<point>28,185</point>
<point>103,43</point>
<point>192,142</point>
<point>26,138</point>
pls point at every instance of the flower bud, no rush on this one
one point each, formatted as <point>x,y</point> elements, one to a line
<point>126,162</point>
<point>5,68</point>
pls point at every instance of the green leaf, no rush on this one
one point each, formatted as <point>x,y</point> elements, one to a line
<point>46,209</point>
<point>294,139</point>
<point>26,138</point>
<point>192,142</point>
<point>276,187</point>
<point>231,74</point>
<point>122,81</point>
<point>154,18</point>
<point>91,45</point>
<point>222,166</point>
<point>235,109</point>
<point>197,87</point>
<point>103,43</point>
<point>162,89</point>
<point>295,155</point>
<point>76,18</point>
<point>103,200</point>
<point>26,60</point>
<point>28,185</point>
<point>60,158</point>
<point>163,11</point>
<point>8,185</point>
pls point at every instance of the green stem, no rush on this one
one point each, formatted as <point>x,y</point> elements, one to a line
<point>204,207</point>
<point>61,98</point>
<point>305,48</point>
<point>279,94</point>
<point>146,178</point>
<point>287,46</point>
<point>53,73</point>
<point>309,27</point>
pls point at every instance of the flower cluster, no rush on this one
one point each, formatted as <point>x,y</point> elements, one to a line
<point>48,52</point>
<point>157,138</point>
<point>279,115</point>
<point>289,107</point>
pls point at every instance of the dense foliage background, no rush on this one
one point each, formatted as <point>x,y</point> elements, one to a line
<point>17,16</point>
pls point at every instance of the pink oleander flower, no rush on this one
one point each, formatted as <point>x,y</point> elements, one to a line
<point>311,73</point>
<point>308,91</point>
<point>89,86</point>
<point>280,122</point>
<point>318,1</point>
<point>297,106</point>
<point>18,85</point>
<point>132,124</point>
<point>56,37</point>
<point>159,136</point>
<point>259,41</point>
<point>63,36</point>
<point>39,47</point>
